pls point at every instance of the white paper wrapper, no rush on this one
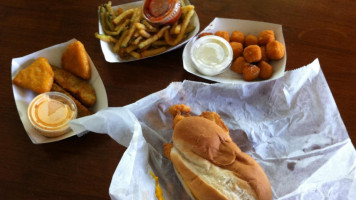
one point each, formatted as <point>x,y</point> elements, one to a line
<point>246,27</point>
<point>112,57</point>
<point>23,97</point>
<point>291,126</point>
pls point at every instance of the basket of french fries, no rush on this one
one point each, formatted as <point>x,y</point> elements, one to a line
<point>126,35</point>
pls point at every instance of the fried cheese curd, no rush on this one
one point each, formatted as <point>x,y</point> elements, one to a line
<point>237,49</point>
<point>205,34</point>
<point>250,40</point>
<point>252,53</point>
<point>275,50</point>
<point>264,54</point>
<point>250,72</point>
<point>38,76</point>
<point>223,34</point>
<point>266,37</point>
<point>237,36</point>
<point>238,65</point>
<point>266,70</point>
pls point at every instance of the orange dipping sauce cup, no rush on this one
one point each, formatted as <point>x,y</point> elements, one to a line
<point>162,11</point>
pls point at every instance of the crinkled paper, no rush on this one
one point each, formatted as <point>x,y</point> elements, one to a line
<point>290,125</point>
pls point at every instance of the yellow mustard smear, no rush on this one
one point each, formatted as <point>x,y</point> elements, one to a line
<point>158,190</point>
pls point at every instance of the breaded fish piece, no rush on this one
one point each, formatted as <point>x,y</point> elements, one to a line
<point>82,110</point>
<point>180,111</point>
<point>37,77</point>
<point>79,88</point>
<point>75,59</point>
<point>215,117</point>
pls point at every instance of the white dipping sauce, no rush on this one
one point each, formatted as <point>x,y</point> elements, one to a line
<point>211,55</point>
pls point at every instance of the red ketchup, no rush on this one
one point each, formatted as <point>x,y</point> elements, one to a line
<point>162,11</point>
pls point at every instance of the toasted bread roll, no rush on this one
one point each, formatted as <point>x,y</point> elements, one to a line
<point>211,166</point>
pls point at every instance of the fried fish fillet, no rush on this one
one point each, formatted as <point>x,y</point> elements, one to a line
<point>79,88</point>
<point>75,59</point>
<point>82,110</point>
<point>215,117</point>
<point>37,77</point>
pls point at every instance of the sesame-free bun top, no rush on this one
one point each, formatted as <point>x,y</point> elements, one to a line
<point>204,140</point>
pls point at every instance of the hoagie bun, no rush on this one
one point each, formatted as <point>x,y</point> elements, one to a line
<point>210,165</point>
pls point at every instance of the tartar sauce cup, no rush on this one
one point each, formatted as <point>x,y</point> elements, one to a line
<point>50,112</point>
<point>211,55</point>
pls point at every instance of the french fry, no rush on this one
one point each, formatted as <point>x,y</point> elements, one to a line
<point>109,9</point>
<point>113,33</point>
<point>102,17</point>
<point>119,11</point>
<point>172,30</point>
<point>130,48</point>
<point>135,18</point>
<point>122,26</point>
<point>108,21</point>
<point>123,15</point>
<point>153,52</point>
<point>106,38</point>
<point>154,38</point>
<point>177,29</point>
<point>144,48</point>
<point>189,29</point>
<point>106,24</point>
<point>137,40</point>
<point>144,33</point>
<point>136,34</point>
<point>118,43</point>
<point>149,27</point>
<point>122,53</point>
<point>135,54</point>
<point>140,26</point>
<point>187,8</point>
<point>179,37</point>
<point>117,46</point>
<point>159,43</point>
